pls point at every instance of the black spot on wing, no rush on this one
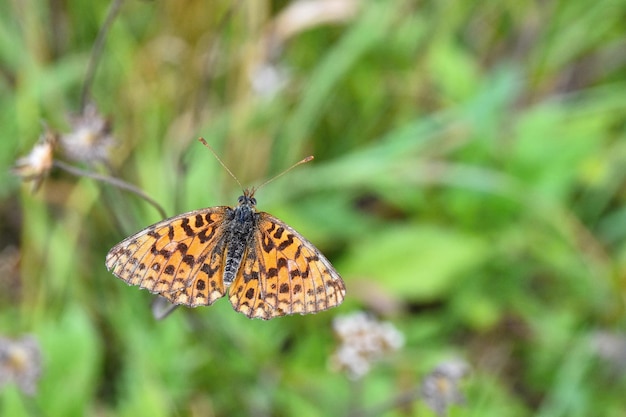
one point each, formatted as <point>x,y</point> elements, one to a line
<point>286,243</point>
<point>266,243</point>
<point>199,221</point>
<point>206,235</point>
<point>298,252</point>
<point>247,277</point>
<point>185,225</point>
<point>313,258</point>
<point>182,248</point>
<point>206,268</point>
<point>271,228</point>
<point>250,293</point>
<point>279,233</point>
<point>189,260</point>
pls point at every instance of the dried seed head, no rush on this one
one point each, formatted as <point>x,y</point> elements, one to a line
<point>37,164</point>
<point>20,363</point>
<point>90,139</point>
<point>440,388</point>
<point>363,340</point>
<point>610,348</point>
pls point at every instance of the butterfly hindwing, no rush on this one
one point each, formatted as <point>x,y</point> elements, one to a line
<point>246,294</point>
<point>207,284</point>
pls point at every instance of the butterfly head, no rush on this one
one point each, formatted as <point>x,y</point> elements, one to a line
<point>247,199</point>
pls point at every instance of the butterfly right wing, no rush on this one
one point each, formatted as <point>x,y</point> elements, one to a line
<point>283,273</point>
<point>179,258</point>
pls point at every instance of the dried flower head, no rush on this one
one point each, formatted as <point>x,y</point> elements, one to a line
<point>610,347</point>
<point>20,363</point>
<point>363,340</point>
<point>37,164</point>
<point>90,139</point>
<point>440,388</point>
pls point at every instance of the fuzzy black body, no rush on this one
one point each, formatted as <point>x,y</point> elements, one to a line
<point>242,222</point>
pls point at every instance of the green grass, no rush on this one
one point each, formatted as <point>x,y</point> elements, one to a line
<point>468,185</point>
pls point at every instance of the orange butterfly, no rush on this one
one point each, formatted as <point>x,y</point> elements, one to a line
<point>191,259</point>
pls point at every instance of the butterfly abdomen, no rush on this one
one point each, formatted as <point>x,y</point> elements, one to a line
<point>241,228</point>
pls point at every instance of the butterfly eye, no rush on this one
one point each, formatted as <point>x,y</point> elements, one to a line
<point>253,201</point>
<point>240,199</point>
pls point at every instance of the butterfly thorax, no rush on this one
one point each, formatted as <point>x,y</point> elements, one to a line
<point>241,226</point>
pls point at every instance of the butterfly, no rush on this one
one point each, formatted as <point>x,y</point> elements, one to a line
<point>269,269</point>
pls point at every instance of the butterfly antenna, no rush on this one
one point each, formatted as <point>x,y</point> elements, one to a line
<point>304,161</point>
<point>204,142</point>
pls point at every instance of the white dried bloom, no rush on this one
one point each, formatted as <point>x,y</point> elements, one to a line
<point>610,347</point>
<point>90,139</point>
<point>20,363</point>
<point>440,388</point>
<point>363,340</point>
<point>37,164</point>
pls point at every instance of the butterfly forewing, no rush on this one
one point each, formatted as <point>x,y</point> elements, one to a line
<point>172,257</point>
<point>283,273</point>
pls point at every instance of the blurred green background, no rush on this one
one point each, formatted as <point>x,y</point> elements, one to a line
<point>468,185</point>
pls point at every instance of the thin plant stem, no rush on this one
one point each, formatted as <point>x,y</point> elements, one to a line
<point>210,61</point>
<point>112,181</point>
<point>96,51</point>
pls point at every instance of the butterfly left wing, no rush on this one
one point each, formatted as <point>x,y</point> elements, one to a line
<point>179,258</point>
<point>283,273</point>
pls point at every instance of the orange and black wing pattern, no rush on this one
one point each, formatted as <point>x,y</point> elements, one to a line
<point>180,258</point>
<point>283,273</point>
